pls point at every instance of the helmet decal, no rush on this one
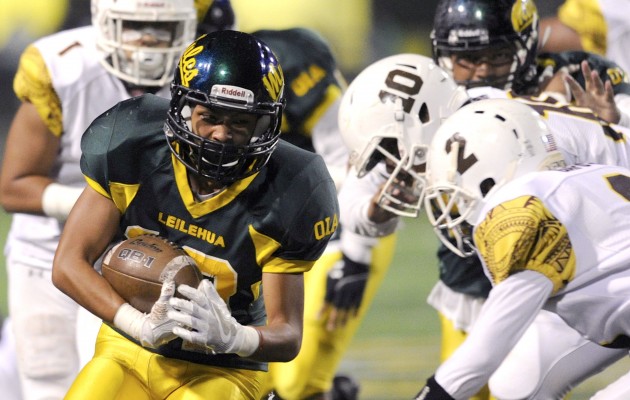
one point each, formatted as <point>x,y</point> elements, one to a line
<point>187,64</point>
<point>481,34</point>
<point>457,143</point>
<point>404,82</point>
<point>274,82</point>
<point>523,14</point>
<point>616,75</point>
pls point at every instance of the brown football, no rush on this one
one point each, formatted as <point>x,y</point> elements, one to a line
<point>137,267</point>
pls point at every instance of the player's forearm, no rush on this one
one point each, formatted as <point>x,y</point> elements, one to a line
<point>38,195</point>
<point>79,281</point>
<point>623,103</point>
<point>509,310</point>
<point>279,343</point>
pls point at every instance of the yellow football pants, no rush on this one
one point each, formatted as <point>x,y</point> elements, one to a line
<point>120,369</point>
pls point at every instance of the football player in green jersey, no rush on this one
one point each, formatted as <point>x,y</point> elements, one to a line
<point>254,212</point>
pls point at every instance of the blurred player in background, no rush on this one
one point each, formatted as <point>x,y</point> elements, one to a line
<point>590,35</point>
<point>211,159</point>
<point>342,284</point>
<point>596,26</point>
<point>9,377</point>
<point>502,52</point>
<point>64,81</point>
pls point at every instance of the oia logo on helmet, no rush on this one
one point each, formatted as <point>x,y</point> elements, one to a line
<point>274,82</point>
<point>523,14</point>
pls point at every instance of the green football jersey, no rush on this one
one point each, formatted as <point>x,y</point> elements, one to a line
<point>278,220</point>
<point>313,80</point>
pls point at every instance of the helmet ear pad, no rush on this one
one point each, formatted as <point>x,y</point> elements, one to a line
<point>262,126</point>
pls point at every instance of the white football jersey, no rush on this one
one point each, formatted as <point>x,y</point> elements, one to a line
<point>62,76</point>
<point>573,226</point>
<point>553,240</point>
<point>579,134</point>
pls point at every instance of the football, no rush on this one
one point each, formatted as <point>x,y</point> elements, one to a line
<point>137,267</point>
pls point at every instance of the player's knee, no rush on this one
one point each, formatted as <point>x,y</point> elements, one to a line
<point>506,390</point>
<point>47,349</point>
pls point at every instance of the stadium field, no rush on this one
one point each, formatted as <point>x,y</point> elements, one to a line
<point>397,347</point>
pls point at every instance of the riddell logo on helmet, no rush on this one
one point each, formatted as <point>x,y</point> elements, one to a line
<point>152,4</point>
<point>233,92</point>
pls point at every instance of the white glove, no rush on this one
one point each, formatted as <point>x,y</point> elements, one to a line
<point>151,330</point>
<point>207,322</point>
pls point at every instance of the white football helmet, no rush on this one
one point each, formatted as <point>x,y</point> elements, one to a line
<point>476,151</point>
<point>390,112</point>
<point>173,21</point>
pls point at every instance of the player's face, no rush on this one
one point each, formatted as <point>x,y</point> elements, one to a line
<point>223,126</point>
<point>485,64</point>
<point>143,34</point>
<point>401,194</point>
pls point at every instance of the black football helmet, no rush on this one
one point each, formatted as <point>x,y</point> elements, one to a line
<point>233,71</point>
<point>219,16</point>
<point>470,25</point>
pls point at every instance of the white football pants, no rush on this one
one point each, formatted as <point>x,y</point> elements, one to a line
<point>549,360</point>
<point>45,328</point>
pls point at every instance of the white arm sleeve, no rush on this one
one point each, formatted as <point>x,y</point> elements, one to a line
<point>58,200</point>
<point>510,308</point>
<point>357,247</point>
<point>623,103</point>
<point>354,201</point>
<point>328,142</point>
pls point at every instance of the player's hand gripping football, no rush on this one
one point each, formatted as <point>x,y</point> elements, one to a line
<point>153,329</point>
<point>206,321</point>
<point>345,285</point>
